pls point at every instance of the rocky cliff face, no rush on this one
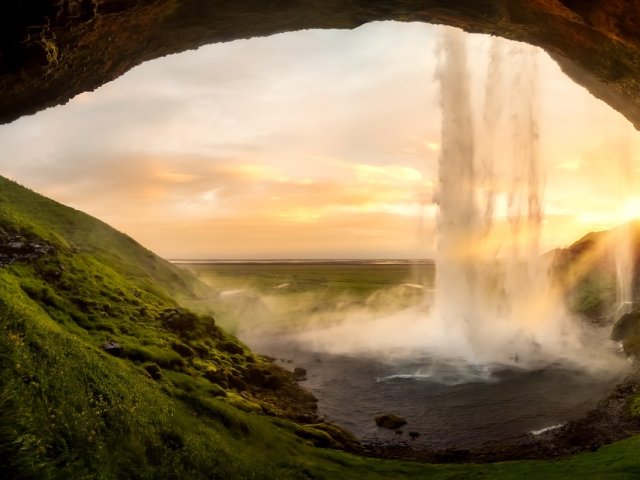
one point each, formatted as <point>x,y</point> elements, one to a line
<point>51,50</point>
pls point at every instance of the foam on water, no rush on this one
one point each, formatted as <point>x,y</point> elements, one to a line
<point>546,429</point>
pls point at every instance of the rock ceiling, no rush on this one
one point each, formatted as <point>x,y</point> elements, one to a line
<point>51,50</point>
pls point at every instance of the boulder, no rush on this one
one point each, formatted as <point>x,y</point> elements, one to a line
<point>627,326</point>
<point>300,373</point>
<point>390,421</point>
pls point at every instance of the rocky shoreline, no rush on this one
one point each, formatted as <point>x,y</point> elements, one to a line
<point>610,421</point>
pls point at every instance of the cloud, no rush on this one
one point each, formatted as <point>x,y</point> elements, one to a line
<point>325,138</point>
<point>167,180</point>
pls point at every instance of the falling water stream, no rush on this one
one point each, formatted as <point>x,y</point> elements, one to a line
<point>624,253</point>
<point>500,299</point>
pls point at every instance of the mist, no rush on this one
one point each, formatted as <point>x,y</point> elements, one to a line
<point>398,326</point>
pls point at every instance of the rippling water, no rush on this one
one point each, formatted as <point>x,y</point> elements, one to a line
<point>450,404</point>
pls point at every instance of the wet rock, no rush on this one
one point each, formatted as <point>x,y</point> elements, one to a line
<point>390,421</point>
<point>626,326</point>
<point>300,373</point>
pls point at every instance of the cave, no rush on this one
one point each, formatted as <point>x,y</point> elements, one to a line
<point>52,50</point>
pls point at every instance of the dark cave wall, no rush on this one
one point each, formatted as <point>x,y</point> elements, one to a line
<point>51,50</point>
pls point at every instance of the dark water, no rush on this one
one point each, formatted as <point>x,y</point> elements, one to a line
<point>450,404</point>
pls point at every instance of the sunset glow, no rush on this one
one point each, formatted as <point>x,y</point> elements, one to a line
<point>315,144</point>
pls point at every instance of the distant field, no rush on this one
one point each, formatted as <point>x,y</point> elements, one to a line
<point>285,295</point>
<point>358,278</point>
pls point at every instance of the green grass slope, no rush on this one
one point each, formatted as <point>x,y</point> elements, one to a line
<point>182,399</point>
<point>69,230</point>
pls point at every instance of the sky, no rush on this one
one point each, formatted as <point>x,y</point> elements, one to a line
<point>312,144</point>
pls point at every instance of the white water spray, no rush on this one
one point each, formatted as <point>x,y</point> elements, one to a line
<point>505,309</point>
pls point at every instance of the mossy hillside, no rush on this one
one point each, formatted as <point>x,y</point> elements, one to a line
<point>36,217</point>
<point>185,351</point>
<point>70,410</point>
<point>586,271</point>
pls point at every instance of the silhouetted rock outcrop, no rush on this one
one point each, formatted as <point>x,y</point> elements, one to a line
<point>52,50</point>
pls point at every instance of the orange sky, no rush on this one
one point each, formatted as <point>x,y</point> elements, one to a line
<point>315,144</point>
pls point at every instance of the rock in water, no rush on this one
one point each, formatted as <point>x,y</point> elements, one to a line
<point>626,326</point>
<point>300,373</point>
<point>390,421</point>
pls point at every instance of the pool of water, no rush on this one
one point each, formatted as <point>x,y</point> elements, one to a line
<point>447,404</point>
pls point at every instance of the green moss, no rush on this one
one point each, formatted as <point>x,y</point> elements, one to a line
<point>243,404</point>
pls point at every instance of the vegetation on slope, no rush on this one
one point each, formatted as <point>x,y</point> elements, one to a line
<point>181,398</point>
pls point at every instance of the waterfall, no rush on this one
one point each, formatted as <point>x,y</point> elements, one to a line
<point>492,288</point>
<point>458,223</point>
<point>624,258</point>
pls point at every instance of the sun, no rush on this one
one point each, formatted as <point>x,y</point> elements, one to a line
<point>630,210</point>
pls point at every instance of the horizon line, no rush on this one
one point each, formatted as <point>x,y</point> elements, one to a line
<point>301,260</point>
